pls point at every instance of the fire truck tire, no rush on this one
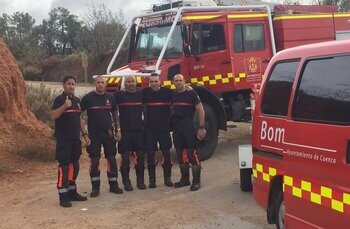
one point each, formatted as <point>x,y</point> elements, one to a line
<point>280,211</point>
<point>246,180</point>
<point>207,146</point>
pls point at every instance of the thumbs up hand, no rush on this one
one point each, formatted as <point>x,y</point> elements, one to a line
<point>68,102</point>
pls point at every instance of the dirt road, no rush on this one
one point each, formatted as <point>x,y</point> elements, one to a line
<point>29,198</point>
<point>80,90</point>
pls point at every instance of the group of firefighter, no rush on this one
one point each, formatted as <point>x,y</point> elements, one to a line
<point>139,122</point>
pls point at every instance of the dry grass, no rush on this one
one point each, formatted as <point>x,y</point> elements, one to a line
<point>39,100</point>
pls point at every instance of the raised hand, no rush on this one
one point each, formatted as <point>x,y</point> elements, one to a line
<point>68,102</point>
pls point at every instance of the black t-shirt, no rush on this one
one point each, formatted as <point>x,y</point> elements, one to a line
<point>184,103</point>
<point>67,126</point>
<point>99,110</point>
<point>130,109</point>
<point>157,112</point>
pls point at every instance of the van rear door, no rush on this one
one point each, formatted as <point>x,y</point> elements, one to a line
<point>317,181</point>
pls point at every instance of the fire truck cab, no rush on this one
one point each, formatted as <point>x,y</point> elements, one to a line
<point>301,137</point>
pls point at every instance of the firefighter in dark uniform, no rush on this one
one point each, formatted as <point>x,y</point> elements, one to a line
<point>103,126</point>
<point>68,124</point>
<point>157,102</point>
<point>130,103</point>
<point>185,103</point>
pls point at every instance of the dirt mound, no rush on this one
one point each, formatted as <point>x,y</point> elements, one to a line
<point>15,117</point>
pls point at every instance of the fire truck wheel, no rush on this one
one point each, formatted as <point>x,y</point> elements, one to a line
<point>246,179</point>
<point>207,146</point>
<point>280,213</point>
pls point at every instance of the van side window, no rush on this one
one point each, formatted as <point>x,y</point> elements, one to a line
<point>323,93</point>
<point>208,38</point>
<point>277,91</point>
<point>248,37</point>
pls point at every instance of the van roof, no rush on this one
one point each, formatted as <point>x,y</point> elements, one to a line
<point>316,49</point>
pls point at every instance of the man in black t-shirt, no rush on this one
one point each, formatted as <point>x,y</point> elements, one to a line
<point>68,124</point>
<point>157,101</point>
<point>185,103</point>
<point>103,126</point>
<point>132,137</point>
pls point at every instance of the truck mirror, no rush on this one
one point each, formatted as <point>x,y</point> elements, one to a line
<point>187,50</point>
<point>184,34</point>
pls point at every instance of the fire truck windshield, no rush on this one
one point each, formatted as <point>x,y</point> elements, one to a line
<point>150,41</point>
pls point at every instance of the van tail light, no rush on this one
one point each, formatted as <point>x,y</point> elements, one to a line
<point>348,152</point>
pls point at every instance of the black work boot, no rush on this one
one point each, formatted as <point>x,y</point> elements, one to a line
<point>125,177</point>
<point>185,177</point>
<point>167,175</point>
<point>114,188</point>
<point>64,200</point>
<point>75,196</point>
<point>196,182</point>
<point>152,176</point>
<point>140,171</point>
<point>95,192</point>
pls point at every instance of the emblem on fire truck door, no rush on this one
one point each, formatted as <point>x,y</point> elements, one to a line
<point>252,69</point>
<point>252,65</point>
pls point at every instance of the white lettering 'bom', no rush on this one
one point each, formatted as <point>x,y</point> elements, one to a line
<point>271,134</point>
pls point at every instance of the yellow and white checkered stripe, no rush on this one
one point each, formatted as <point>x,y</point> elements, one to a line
<point>311,191</point>
<point>212,80</point>
<point>318,194</point>
<point>264,172</point>
<point>202,80</point>
<point>116,80</point>
<point>168,83</point>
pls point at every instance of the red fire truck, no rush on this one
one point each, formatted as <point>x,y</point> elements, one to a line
<point>222,51</point>
<point>301,138</point>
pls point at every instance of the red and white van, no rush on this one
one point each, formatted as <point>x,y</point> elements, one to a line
<point>301,138</point>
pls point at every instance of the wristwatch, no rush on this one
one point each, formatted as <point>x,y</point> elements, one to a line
<point>201,127</point>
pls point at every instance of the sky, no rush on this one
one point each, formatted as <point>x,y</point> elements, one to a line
<point>39,9</point>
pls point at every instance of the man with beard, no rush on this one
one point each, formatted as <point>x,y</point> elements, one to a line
<point>68,124</point>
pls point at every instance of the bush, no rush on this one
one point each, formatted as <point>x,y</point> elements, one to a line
<point>35,148</point>
<point>50,62</point>
<point>39,100</point>
<point>31,72</point>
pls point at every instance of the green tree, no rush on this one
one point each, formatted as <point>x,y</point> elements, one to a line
<point>103,30</point>
<point>47,33</point>
<point>16,30</point>
<point>66,26</point>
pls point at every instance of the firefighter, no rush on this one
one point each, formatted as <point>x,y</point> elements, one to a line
<point>103,126</point>
<point>68,124</point>
<point>185,103</point>
<point>157,102</point>
<point>130,103</point>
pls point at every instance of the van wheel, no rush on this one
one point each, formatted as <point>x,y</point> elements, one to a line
<point>246,180</point>
<point>207,146</point>
<point>280,211</point>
